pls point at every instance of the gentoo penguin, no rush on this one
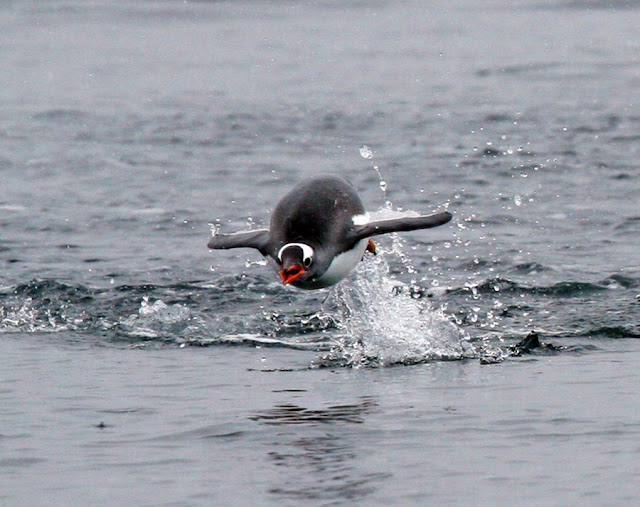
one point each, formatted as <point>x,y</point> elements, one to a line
<point>319,231</point>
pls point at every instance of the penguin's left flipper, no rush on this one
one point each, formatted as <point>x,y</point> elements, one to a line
<point>400,224</point>
<point>258,239</point>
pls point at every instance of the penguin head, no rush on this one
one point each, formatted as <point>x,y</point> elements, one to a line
<point>297,262</point>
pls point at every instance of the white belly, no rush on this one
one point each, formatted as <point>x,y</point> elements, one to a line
<point>340,267</point>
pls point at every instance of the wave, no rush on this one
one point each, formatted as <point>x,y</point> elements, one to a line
<point>565,289</point>
<point>371,319</point>
<point>192,313</point>
<point>356,325</point>
<point>609,332</point>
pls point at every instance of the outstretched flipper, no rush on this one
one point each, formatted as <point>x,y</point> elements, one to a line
<point>258,239</point>
<point>400,224</point>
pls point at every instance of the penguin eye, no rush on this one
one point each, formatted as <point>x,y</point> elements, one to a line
<point>307,261</point>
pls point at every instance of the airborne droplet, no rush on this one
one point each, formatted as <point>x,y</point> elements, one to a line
<point>215,228</point>
<point>366,152</point>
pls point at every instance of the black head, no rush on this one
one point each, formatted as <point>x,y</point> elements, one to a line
<point>297,262</point>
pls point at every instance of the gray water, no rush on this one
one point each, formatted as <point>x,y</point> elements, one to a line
<point>138,368</point>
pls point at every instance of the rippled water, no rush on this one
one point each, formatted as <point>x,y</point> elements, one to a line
<point>139,368</point>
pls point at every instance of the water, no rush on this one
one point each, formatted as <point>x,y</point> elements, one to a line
<point>138,368</point>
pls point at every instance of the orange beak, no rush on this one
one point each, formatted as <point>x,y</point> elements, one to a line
<point>291,274</point>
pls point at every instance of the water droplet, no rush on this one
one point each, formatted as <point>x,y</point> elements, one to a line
<point>249,263</point>
<point>215,228</point>
<point>366,152</point>
<point>383,186</point>
<point>518,200</point>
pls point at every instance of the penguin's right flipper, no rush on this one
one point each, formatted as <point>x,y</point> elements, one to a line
<point>258,239</point>
<point>400,224</point>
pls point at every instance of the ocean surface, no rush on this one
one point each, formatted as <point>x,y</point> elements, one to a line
<point>491,361</point>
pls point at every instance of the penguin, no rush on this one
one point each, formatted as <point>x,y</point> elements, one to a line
<point>319,231</point>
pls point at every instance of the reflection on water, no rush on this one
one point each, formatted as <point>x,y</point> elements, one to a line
<point>292,414</point>
<point>326,466</point>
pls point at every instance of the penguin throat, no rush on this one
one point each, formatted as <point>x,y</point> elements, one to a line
<point>291,274</point>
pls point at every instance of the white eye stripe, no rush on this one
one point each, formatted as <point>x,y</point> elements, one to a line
<point>307,251</point>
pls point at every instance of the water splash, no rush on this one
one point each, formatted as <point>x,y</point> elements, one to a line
<point>381,324</point>
<point>28,316</point>
<point>215,227</point>
<point>43,306</point>
<point>367,153</point>
<point>157,320</point>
